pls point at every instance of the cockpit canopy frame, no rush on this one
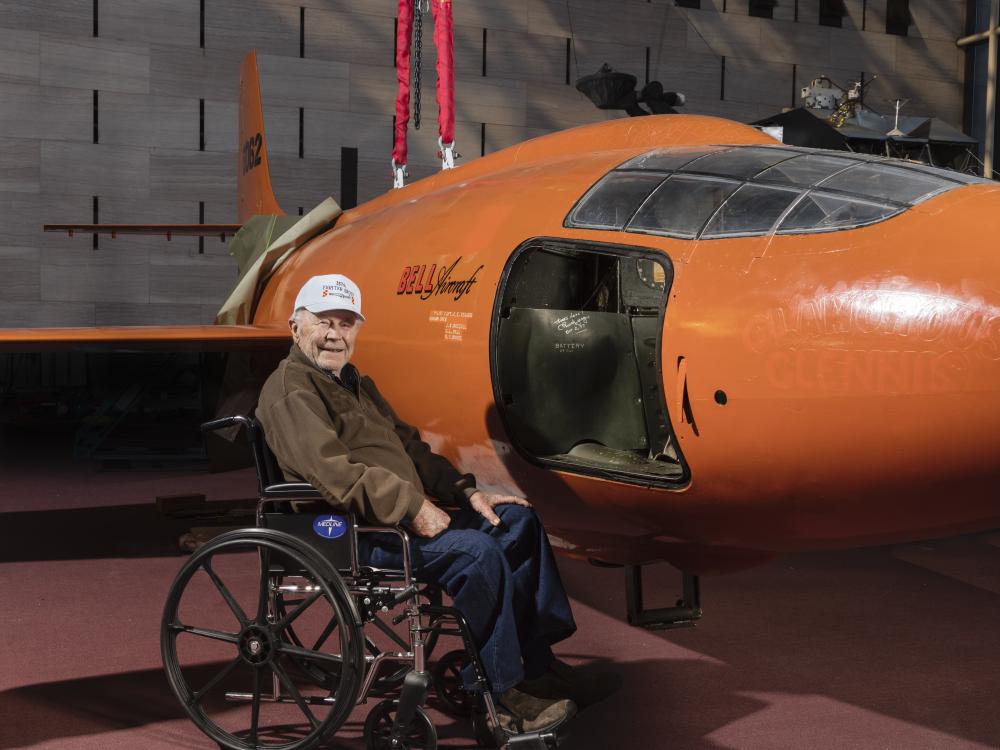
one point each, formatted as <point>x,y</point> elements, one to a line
<point>717,192</point>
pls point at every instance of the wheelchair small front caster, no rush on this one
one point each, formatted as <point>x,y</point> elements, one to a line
<point>449,686</point>
<point>420,735</point>
<point>485,735</point>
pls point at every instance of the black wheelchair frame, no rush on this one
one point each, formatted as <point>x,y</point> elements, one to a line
<point>297,568</point>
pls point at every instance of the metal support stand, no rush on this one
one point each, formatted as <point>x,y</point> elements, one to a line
<point>684,614</point>
<point>991,91</point>
<point>990,36</point>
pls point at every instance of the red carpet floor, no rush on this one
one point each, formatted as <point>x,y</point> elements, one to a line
<point>891,647</point>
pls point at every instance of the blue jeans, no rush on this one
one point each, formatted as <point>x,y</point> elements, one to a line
<point>503,579</point>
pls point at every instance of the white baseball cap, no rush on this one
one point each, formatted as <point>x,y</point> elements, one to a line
<point>330,291</point>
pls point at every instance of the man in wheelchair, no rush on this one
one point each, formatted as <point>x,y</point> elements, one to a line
<point>328,425</point>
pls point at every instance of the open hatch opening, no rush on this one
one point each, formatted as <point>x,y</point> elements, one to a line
<point>577,359</point>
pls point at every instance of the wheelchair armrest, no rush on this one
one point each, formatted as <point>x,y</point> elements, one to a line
<point>218,424</point>
<point>404,539</point>
<point>297,490</point>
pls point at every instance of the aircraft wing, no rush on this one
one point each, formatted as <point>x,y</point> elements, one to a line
<point>188,230</point>
<point>143,338</point>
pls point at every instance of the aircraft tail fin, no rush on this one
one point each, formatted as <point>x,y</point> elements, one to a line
<point>255,195</point>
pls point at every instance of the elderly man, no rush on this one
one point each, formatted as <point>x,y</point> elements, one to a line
<point>328,425</point>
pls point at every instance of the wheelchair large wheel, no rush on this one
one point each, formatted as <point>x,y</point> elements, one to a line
<point>227,651</point>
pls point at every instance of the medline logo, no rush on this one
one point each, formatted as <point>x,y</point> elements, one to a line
<point>330,527</point>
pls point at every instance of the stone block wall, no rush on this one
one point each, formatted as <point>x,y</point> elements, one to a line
<point>128,108</point>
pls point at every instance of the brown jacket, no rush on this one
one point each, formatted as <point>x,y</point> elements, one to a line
<point>343,438</point>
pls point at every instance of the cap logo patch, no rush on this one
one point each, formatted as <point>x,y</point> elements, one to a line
<point>339,290</point>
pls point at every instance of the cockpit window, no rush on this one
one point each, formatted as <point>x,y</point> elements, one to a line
<point>819,212</point>
<point>611,203</point>
<point>965,179</point>
<point>723,191</point>
<point>671,158</point>
<point>805,170</point>
<point>753,209</point>
<point>887,183</point>
<point>740,163</point>
<point>683,203</point>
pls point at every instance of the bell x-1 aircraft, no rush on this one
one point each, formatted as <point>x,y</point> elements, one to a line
<point>681,339</point>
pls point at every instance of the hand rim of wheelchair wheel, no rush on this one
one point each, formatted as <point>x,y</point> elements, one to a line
<point>420,735</point>
<point>260,643</point>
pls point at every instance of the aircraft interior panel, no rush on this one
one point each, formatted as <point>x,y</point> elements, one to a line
<point>746,191</point>
<point>576,368</point>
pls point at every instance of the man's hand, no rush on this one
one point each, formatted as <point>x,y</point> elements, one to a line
<point>430,520</point>
<point>484,503</point>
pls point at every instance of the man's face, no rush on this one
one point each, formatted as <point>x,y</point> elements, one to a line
<point>327,338</point>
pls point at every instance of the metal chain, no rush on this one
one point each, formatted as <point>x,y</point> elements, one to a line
<point>572,38</point>
<point>418,37</point>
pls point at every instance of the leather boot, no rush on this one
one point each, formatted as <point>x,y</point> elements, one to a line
<point>520,712</point>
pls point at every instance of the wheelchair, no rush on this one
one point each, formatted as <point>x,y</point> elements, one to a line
<point>271,635</point>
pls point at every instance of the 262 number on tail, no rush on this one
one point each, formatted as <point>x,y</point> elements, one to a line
<point>251,152</point>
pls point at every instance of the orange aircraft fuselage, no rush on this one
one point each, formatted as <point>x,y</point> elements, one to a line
<point>825,390</point>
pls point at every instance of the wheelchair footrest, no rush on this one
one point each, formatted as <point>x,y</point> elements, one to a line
<point>532,741</point>
<point>311,700</point>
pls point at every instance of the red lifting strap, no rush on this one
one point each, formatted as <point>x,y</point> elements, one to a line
<point>444,42</point>
<point>445,69</point>
<point>404,34</point>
